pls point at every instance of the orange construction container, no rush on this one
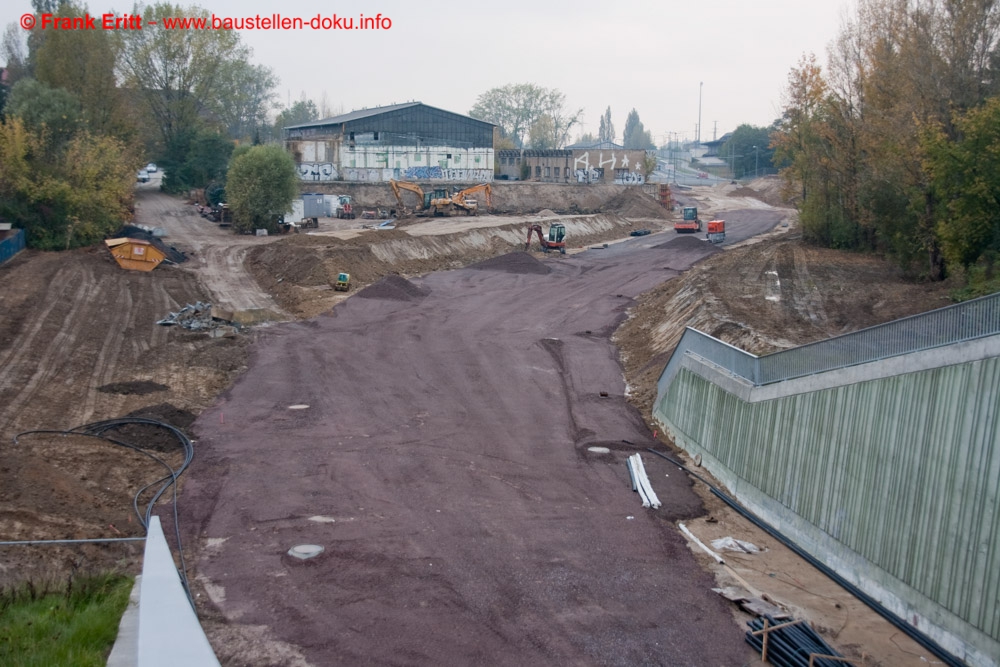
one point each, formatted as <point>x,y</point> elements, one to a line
<point>716,226</point>
<point>135,254</point>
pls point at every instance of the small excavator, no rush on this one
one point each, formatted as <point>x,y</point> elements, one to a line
<point>439,202</point>
<point>555,241</point>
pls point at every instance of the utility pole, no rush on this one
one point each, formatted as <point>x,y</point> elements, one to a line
<point>697,139</point>
<point>756,160</point>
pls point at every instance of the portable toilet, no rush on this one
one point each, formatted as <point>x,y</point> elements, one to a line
<point>135,254</point>
<point>313,206</point>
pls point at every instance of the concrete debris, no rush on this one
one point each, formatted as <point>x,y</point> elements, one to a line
<point>198,317</point>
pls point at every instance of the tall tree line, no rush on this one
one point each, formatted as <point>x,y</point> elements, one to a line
<point>887,148</point>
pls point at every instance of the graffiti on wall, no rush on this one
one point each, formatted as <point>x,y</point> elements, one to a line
<point>423,173</point>
<point>467,174</point>
<point>626,177</point>
<point>589,175</point>
<point>317,171</point>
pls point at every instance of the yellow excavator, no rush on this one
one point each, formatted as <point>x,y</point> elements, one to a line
<point>439,202</point>
<point>463,199</point>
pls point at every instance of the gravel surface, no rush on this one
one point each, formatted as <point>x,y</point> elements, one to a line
<point>443,464</point>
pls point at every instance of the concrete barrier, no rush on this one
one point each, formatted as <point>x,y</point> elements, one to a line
<point>169,631</point>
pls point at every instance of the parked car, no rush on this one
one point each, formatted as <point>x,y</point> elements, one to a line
<point>142,176</point>
<point>151,168</point>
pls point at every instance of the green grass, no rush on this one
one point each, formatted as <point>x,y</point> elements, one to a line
<point>74,624</point>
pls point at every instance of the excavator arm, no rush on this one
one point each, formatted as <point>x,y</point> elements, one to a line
<point>541,239</point>
<point>459,199</point>
<point>399,186</point>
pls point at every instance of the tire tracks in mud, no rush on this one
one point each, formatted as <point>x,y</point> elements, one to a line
<point>60,348</point>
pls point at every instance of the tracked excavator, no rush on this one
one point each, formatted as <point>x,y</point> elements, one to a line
<point>555,241</point>
<point>464,201</point>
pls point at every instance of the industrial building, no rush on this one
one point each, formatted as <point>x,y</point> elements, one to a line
<point>410,141</point>
<point>599,163</point>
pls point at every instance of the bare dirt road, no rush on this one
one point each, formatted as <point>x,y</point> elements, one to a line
<point>215,255</point>
<point>443,463</point>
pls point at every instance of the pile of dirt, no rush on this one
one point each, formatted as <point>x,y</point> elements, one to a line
<point>300,268</point>
<point>764,298</point>
<point>768,189</point>
<point>634,203</point>
<point>512,262</point>
<point>137,388</point>
<point>394,288</point>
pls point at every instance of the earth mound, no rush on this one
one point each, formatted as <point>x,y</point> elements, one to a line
<point>393,287</point>
<point>689,242</point>
<point>138,387</point>
<point>634,203</point>
<point>512,262</point>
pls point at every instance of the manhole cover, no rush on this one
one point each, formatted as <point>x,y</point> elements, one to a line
<point>599,450</point>
<point>300,406</point>
<point>305,551</point>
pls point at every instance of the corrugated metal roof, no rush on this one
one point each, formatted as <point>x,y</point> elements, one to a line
<point>374,111</point>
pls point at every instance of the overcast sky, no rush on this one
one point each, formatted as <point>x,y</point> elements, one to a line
<point>653,56</point>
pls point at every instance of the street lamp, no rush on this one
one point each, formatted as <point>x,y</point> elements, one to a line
<point>756,160</point>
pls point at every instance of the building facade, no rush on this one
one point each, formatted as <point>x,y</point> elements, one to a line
<point>411,141</point>
<point>599,163</point>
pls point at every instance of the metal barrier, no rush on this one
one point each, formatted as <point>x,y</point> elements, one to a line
<point>952,324</point>
<point>11,245</point>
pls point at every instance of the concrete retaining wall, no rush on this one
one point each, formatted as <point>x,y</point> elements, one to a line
<point>518,197</point>
<point>889,475</point>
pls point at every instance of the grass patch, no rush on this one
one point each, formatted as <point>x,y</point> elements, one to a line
<point>74,623</point>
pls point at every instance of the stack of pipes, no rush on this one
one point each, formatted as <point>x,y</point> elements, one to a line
<point>640,482</point>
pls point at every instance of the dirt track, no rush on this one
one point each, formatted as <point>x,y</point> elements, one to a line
<point>444,451</point>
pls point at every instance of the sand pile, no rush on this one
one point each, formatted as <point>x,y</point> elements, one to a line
<point>393,288</point>
<point>512,262</point>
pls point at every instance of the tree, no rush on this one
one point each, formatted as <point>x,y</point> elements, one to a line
<point>542,135</point>
<point>196,159</point>
<point>53,114</point>
<point>82,62</point>
<point>966,177</point>
<point>251,97</point>
<point>748,150</point>
<point>303,111</point>
<point>587,138</point>
<point>607,128</point>
<point>514,108</point>
<point>69,198</point>
<point>636,136</point>
<point>179,75</point>
<point>260,186</point>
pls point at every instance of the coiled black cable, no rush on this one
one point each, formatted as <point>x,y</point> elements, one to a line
<point>169,481</point>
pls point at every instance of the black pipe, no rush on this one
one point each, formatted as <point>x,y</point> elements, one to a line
<point>875,605</point>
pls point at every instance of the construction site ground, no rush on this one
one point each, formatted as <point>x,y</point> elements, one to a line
<point>443,457</point>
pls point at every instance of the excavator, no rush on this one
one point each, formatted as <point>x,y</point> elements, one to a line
<point>555,241</point>
<point>464,201</point>
<point>438,202</point>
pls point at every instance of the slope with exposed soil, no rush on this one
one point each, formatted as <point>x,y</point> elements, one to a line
<point>78,342</point>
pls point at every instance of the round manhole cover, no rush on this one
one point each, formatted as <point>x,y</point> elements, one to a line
<point>305,551</point>
<point>300,406</point>
<point>599,450</point>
